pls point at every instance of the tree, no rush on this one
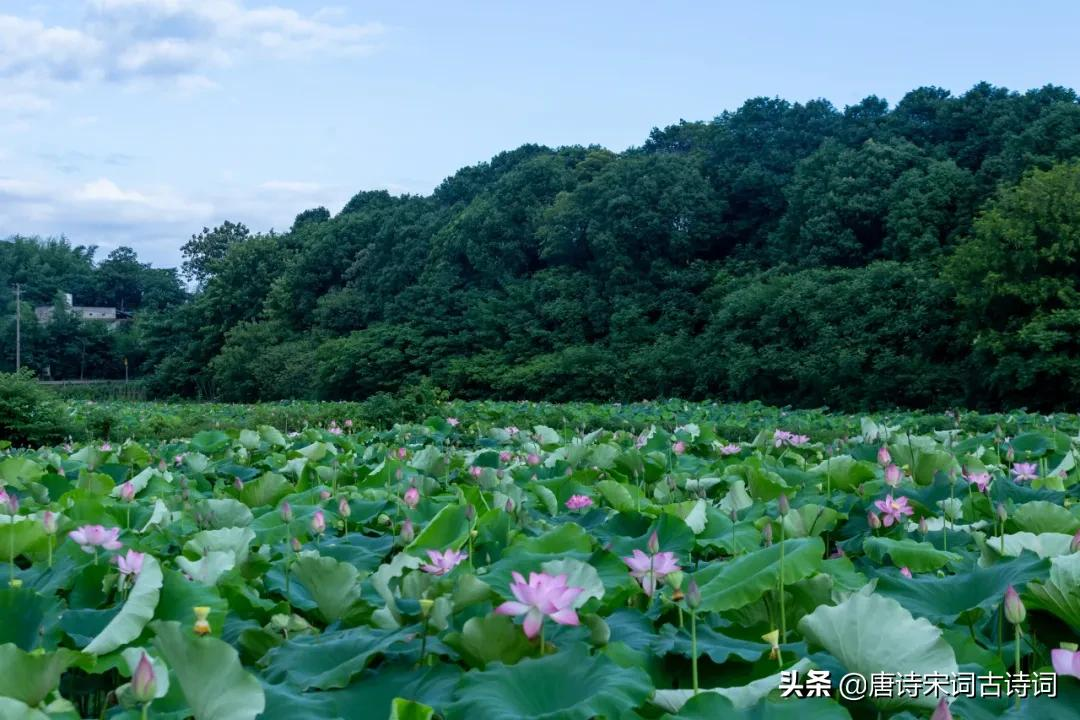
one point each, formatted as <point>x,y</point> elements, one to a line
<point>1017,281</point>
<point>203,251</point>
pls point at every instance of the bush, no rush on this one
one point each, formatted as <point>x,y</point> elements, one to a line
<point>28,413</point>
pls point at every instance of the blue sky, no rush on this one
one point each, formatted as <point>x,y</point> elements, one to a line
<point>138,122</point>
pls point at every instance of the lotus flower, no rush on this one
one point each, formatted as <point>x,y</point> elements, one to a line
<point>411,497</point>
<point>286,511</point>
<point>511,430</point>
<point>780,437</point>
<point>106,447</point>
<point>407,532</point>
<point>650,570</point>
<point>1025,471</point>
<point>799,440</point>
<point>731,449</point>
<point>883,456</point>
<point>476,471</point>
<point>532,459</point>
<point>334,430</point>
<point>402,453</point>
<point>48,521</point>
<point>127,491</point>
<point>443,562</point>
<point>543,595</point>
<point>893,510</point>
<point>892,475</point>
<point>91,537</point>
<point>452,421</point>
<point>905,572</point>
<point>942,711</point>
<point>679,447</point>
<point>872,520</point>
<point>1066,660</point>
<point>1015,612</point>
<point>343,508</point>
<point>578,502</point>
<point>348,423</point>
<point>143,681</point>
<point>9,502</point>
<point>130,564</point>
<point>980,480</point>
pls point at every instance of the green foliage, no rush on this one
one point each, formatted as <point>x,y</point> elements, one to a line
<point>28,413</point>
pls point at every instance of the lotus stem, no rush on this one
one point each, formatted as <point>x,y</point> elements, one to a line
<point>783,615</point>
<point>541,638</point>
<point>50,550</point>
<point>693,650</point>
<point>145,710</point>
<point>11,554</point>
<point>1018,635</point>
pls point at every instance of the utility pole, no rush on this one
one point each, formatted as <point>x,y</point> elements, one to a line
<point>18,326</point>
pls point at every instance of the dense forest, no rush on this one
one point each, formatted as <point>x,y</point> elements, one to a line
<point>924,254</point>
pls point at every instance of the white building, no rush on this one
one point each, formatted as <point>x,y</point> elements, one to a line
<point>44,313</point>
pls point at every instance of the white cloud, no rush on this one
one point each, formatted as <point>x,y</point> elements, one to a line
<point>295,187</point>
<point>177,41</point>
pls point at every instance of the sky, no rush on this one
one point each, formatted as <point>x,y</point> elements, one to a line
<point>139,122</point>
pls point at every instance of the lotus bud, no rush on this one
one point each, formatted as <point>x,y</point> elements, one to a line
<point>892,476</point>
<point>1002,513</point>
<point>923,527</point>
<point>143,681</point>
<point>653,544</point>
<point>407,532</point>
<point>12,503</point>
<point>48,521</point>
<point>343,508</point>
<point>202,625</point>
<point>324,495</point>
<point>161,466</point>
<point>1015,612</point>
<point>1010,454</point>
<point>402,453</point>
<point>474,533</point>
<point>1075,545</point>
<point>883,456</point>
<point>318,522</point>
<point>476,471</point>
<point>425,606</point>
<point>532,459</point>
<point>505,456</point>
<point>679,447</point>
<point>509,505</point>
<point>693,594</point>
<point>286,511</point>
<point>294,543</point>
<point>411,497</point>
<point>873,520</point>
<point>399,474</point>
<point>766,534</point>
<point>906,572</point>
<point>127,491</point>
<point>783,504</point>
<point>942,712</point>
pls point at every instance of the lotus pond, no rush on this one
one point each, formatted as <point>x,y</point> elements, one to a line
<point>462,567</point>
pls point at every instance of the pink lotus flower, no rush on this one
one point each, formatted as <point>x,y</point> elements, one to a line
<point>411,497</point>
<point>91,537</point>
<point>505,456</point>
<point>872,520</point>
<point>324,494</point>
<point>511,430</point>
<point>679,447</point>
<point>127,491</point>
<point>532,459</point>
<point>106,447</point>
<point>731,449</point>
<point>318,522</point>
<point>48,522</point>
<point>130,564</point>
<point>650,570</point>
<point>905,572</point>
<point>799,440</point>
<point>286,511</point>
<point>577,502</point>
<point>348,423</point>
<point>1025,471</point>
<point>452,421</point>
<point>10,503</point>
<point>981,480</point>
<point>334,430</point>
<point>143,681</point>
<point>407,532</point>
<point>542,596</point>
<point>780,437</point>
<point>443,562</point>
<point>893,475</point>
<point>1066,661</point>
<point>178,459</point>
<point>476,471</point>
<point>893,510</point>
<point>343,508</point>
<point>883,456</point>
<point>402,453</point>
<point>238,484</point>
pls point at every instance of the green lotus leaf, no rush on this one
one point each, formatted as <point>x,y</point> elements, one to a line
<point>402,709</point>
<point>1060,594</point>
<point>744,579</point>
<point>333,585</point>
<point>1045,545</point>
<point>712,706</point>
<point>30,676</point>
<point>267,489</point>
<point>493,638</point>
<point>578,574</point>
<point>137,610</point>
<point>376,690</point>
<point>208,671</point>
<point>448,530</point>
<point>209,569</point>
<point>11,709</point>
<point>742,696</point>
<point>875,634</point>
<point>29,618</point>
<point>843,472</point>
<point>332,659</point>
<point>1040,516</point>
<point>210,442</point>
<point>536,688</point>
<point>919,557</point>
<point>236,540</point>
<point>711,643</point>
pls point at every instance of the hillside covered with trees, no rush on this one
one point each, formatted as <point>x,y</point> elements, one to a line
<point>922,254</point>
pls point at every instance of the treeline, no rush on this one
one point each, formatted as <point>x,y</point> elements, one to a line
<point>68,347</point>
<point>917,255</point>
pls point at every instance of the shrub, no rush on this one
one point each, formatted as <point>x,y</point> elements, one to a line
<point>29,414</point>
